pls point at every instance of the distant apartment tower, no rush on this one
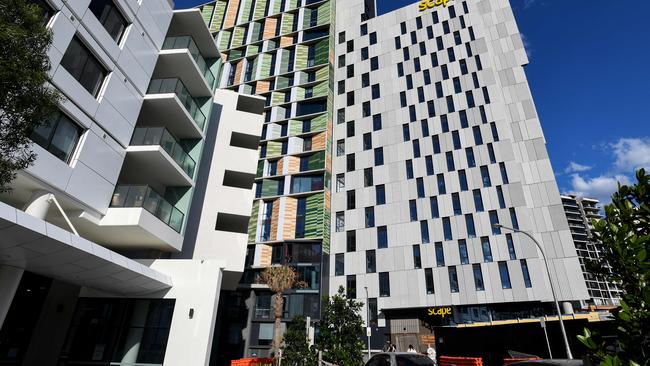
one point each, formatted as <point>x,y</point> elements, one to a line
<point>282,51</point>
<point>580,211</point>
<point>116,242</point>
<point>437,140</point>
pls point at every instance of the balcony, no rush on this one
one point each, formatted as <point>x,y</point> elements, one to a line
<point>181,58</point>
<point>155,156</point>
<point>169,103</point>
<point>152,201</point>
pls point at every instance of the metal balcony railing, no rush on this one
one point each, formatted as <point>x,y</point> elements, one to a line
<point>147,136</point>
<point>180,42</point>
<point>145,197</point>
<point>176,86</point>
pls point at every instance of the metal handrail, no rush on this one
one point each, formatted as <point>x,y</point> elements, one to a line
<point>145,197</point>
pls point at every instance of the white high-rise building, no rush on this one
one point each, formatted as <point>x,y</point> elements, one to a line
<point>115,244</point>
<point>437,140</point>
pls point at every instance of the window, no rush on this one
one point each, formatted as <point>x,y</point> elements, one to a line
<point>450,161</point>
<point>406,132</point>
<point>417,258</point>
<point>367,177</point>
<point>375,91</point>
<point>365,107</point>
<point>301,217</point>
<point>350,163</point>
<point>374,63</point>
<point>434,60</point>
<point>526,274</point>
<point>453,279</point>
<point>384,284</point>
<point>495,133</point>
<point>504,173</point>
<point>84,66</point>
<point>341,87</point>
<point>379,156</point>
<point>494,220</point>
<point>367,141</point>
<point>350,99</point>
<point>446,228</point>
<point>372,309</point>
<point>469,153</point>
<point>380,194</point>
<point>339,265</point>
<point>59,135</point>
<point>351,286</point>
<point>365,80</point>
<point>351,199</point>
<point>370,216</point>
<point>505,275</point>
<point>110,16</point>
<point>376,122</point>
<point>427,77</point>
<point>371,262</point>
<point>487,250</point>
<point>350,72</point>
<point>382,237</point>
<point>413,210</point>
<point>350,46</point>
<point>455,137</point>
<point>455,201</point>
<point>485,176</point>
<point>340,182</point>
<point>478,200</point>
<point>429,164</point>
<point>486,95</point>
<point>435,211</point>
<point>424,232</point>
<point>409,169</point>
<point>462,179</point>
<point>350,241</point>
<point>442,189</point>
<point>440,255</point>
<point>502,200</point>
<point>340,221</point>
<point>416,148</point>
<point>420,187</point>
<point>400,70</point>
<point>464,123</point>
<point>341,37</point>
<point>428,279</point>
<point>340,147</point>
<point>364,53</point>
<point>511,247</point>
<point>462,251</point>
<point>402,98</point>
<point>493,158</point>
<point>373,38</point>
<point>340,115</point>
<point>513,219</point>
<point>478,138</point>
<point>478,277</point>
<point>435,141</point>
<point>398,43</point>
<point>469,223</point>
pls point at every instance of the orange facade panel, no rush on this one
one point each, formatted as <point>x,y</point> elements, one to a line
<point>318,141</point>
<point>270,27</point>
<point>238,70</point>
<point>263,86</point>
<point>231,14</point>
<point>286,41</point>
<point>275,217</point>
<point>266,255</point>
<point>289,226</point>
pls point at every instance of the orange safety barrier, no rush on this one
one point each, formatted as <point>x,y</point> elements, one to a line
<point>508,361</point>
<point>252,362</point>
<point>460,361</point>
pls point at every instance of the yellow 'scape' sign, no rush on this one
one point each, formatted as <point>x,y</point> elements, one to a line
<point>441,312</point>
<point>430,4</point>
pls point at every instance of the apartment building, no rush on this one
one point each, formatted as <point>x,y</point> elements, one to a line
<point>437,141</point>
<point>116,243</point>
<point>580,211</point>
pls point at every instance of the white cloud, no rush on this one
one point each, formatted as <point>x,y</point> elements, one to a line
<point>600,188</point>
<point>631,154</point>
<point>529,3</point>
<point>527,45</point>
<point>574,167</point>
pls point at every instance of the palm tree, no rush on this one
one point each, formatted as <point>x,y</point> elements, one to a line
<point>279,279</point>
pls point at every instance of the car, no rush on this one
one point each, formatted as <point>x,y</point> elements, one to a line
<point>399,359</point>
<point>549,362</point>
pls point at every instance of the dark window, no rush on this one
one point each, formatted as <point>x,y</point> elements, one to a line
<point>413,210</point>
<point>505,275</point>
<point>442,188</point>
<point>364,53</point>
<point>493,158</point>
<point>478,137</point>
<point>429,164</point>
<point>380,194</point>
<point>478,200</point>
<point>504,173</point>
<point>494,220</point>
<point>339,267</point>
<point>371,262</point>
<point>435,210</point>
<point>470,99</point>
<point>370,216</point>
<point>384,284</point>
<point>59,135</point>
<point>365,80</point>
<point>409,169</point>
<point>350,71</point>
<point>446,228</point>
<point>513,219</point>
<point>453,279</point>
<point>350,99</point>
<point>350,240</point>
<point>469,224</point>
<point>435,140</point>
<point>485,176</point>
<point>350,46</point>
<point>434,60</point>
<point>428,279</point>
<point>455,203</point>
<point>373,38</point>
<point>462,179</point>
<point>406,132</point>
<point>110,16</point>
<point>382,237</point>
<point>424,232</point>
<point>511,247</point>
<point>398,43</point>
<point>450,104</point>
<point>379,156</point>
<point>301,217</point>
<point>350,163</point>
<point>478,277</point>
<point>84,66</point>
<point>341,37</point>
<point>374,63</point>
<point>351,286</point>
<point>367,177</point>
<point>420,187</point>
<point>471,162</point>
<point>376,93</point>
<point>350,129</point>
<point>444,123</point>
<point>450,161</point>
<point>440,254</point>
<point>365,109</point>
<point>376,122</point>
<point>462,250</point>
<point>417,258</point>
<point>351,199</point>
<point>526,273</point>
<point>486,248</point>
<point>416,148</point>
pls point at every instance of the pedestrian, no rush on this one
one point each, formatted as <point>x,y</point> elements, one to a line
<point>411,349</point>
<point>431,352</point>
<point>392,348</point>
<point>386,347</point>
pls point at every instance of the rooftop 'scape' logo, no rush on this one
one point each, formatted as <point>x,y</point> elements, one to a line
<point>429,4</point>
<point>442,312</point>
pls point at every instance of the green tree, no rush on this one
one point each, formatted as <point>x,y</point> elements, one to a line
<point>625,234</point>
<point>25,98</point>
<point>296,350</point>
<point>341,329</point>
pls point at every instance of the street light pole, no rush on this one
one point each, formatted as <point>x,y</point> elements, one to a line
<point>368,320</point>
<point>548,272</point>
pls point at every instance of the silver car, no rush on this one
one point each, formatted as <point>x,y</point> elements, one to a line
<point>399,359</point>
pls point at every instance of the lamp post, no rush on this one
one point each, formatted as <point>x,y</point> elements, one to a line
<point>548,272</point>
<point>368,320</point>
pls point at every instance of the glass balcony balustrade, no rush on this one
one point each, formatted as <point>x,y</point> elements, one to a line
<point>176,86</point>
<point>182,42</point>
<point>148,136</point>
<point>145,197</point>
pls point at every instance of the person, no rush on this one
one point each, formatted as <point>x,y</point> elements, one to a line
<point>431,352</point>
<point>386,347</point>
<point>411,349</point>
<point>392,348</point>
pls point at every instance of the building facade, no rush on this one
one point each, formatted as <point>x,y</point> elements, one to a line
<point>117,242</point>
<point>580,211</point>
<point>281,50</point>
<point>437,140</point>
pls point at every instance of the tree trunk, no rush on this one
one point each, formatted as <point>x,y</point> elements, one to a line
<point>278,302</point>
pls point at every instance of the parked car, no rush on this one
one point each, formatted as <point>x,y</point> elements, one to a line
<point>549,362</point>
<point>400,359</point>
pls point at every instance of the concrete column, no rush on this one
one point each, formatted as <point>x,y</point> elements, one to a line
<point>39,204</point>
<point>9,281</point>
<point>133,339</point>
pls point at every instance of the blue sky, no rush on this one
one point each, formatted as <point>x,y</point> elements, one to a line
<point>589,73</point>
